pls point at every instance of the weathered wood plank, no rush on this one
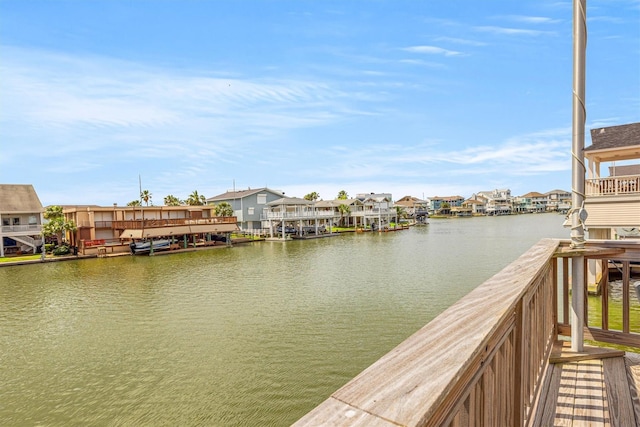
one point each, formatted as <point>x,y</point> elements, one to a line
<point>565,398</point>
<point>589,403</point>
<point>632,362</point>
<point>549,397</point>
<point>618,393</point>
<point>335,413</point>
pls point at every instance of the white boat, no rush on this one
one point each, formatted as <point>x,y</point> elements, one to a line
<point>145,246</point>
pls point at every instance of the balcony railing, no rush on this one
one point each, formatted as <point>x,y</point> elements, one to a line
<point>613,186</point>
<point>153,223</point>
<point>33,228</point>
<point>298,215</point>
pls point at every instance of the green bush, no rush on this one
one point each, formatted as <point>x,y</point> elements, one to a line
<point>62,250</point>
<point>49,247</point>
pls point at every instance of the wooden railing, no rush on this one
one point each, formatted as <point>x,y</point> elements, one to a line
<point>151,223</point>
<point>601,256</point>
<point>482,361</point>
<point>613,186</point>
<point>478,363</point>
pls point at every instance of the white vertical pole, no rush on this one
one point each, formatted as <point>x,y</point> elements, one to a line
<point>578,172</point>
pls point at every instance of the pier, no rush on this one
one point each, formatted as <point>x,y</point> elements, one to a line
<point>499,357</point>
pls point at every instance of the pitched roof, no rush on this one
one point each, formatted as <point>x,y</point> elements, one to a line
<point>239,194</point>
<point>19,198</point>
<point>624,170</point>
<point>614,137</point>
<point>533,194</point>
<point>290,201</point>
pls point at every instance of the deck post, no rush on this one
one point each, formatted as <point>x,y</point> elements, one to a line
<point>578,173</point>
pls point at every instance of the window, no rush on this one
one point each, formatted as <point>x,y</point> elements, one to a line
<point>16,221</point>
<point>250,211</point>
<point>262,199</point>
<point>33,220</point>
<point>5,221</point>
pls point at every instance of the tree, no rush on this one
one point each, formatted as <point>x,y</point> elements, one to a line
<point>344,212</point>
<point>134,203</point>
<point>224,209</point>
<point>342,195</point>
<point>56,225</point>
<point>312,196</point>
<point>172,200</point>
<point>196,199</point>
<point>145,196</point>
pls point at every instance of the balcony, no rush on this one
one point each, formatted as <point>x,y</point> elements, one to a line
<point>22,229</point>
<point>613,186</point>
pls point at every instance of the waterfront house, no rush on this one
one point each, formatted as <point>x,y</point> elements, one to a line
<point>248,205</point>
<point>297,215</point>
<point>378,210</point>
<point>415,208</point>
<point>21,214</point>
<point>114,226</point>
<point>612,202</point>
<point>442,205</point>
<point>498,201</point>
<point>531,202</point>
<point>558,200</point>
<point>475,205</point>
<point>353,216</point>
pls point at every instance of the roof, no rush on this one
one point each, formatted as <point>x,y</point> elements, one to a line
<point>290,201</point>
<point>19,198</point>
<point>230,195</point>
<point>533,194</point>
<point>614,137</point>
<point>624,170</point>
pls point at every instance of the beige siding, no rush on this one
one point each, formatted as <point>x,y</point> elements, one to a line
<point>607,214</point>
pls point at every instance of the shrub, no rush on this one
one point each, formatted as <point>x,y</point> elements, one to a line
<point>61,250</point>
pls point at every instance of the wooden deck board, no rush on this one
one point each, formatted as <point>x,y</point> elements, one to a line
<point>597,392</point>
<point>632,361</point>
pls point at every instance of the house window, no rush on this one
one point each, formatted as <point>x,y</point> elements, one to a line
<point>262,199</point>
<point>5,221</point>
<point>33,220</point>
<point>16,221</point>
<point>250,211</point>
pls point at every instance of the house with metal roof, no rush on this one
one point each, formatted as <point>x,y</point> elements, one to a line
<point>22,216</point>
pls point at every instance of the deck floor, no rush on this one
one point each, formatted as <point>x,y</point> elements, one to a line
<point>597,389</point>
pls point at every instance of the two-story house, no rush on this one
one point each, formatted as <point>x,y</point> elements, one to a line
<point>612,202</point>
<point>249,206</point>
<point>21,216</point>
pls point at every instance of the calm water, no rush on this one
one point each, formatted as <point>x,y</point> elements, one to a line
<point>255,335</point>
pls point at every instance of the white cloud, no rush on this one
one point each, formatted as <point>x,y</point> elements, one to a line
<point>432,50</point>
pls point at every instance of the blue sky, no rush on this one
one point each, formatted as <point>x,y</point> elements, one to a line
<point>421,98</point>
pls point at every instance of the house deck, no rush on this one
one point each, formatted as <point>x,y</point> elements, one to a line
<point>598,387</point>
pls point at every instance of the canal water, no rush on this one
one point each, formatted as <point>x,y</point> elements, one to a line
<point>254,335</point>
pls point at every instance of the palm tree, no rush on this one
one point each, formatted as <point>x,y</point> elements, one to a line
<point>342,195</point>
<point>56,224</point>
<point>134,203</point>
<point>313,196</point>
<point>344,212</point>
<point>224,209</point>
<point>196,199</point>
<point>172,200</point>
<point>145,196</point>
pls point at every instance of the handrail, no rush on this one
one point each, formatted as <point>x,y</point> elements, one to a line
<point>600,257</point>
<point>151,223</point>
<point>481,360</point>
<point>613,186</point>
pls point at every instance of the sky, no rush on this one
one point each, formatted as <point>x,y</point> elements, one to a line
<point>99,99</point>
